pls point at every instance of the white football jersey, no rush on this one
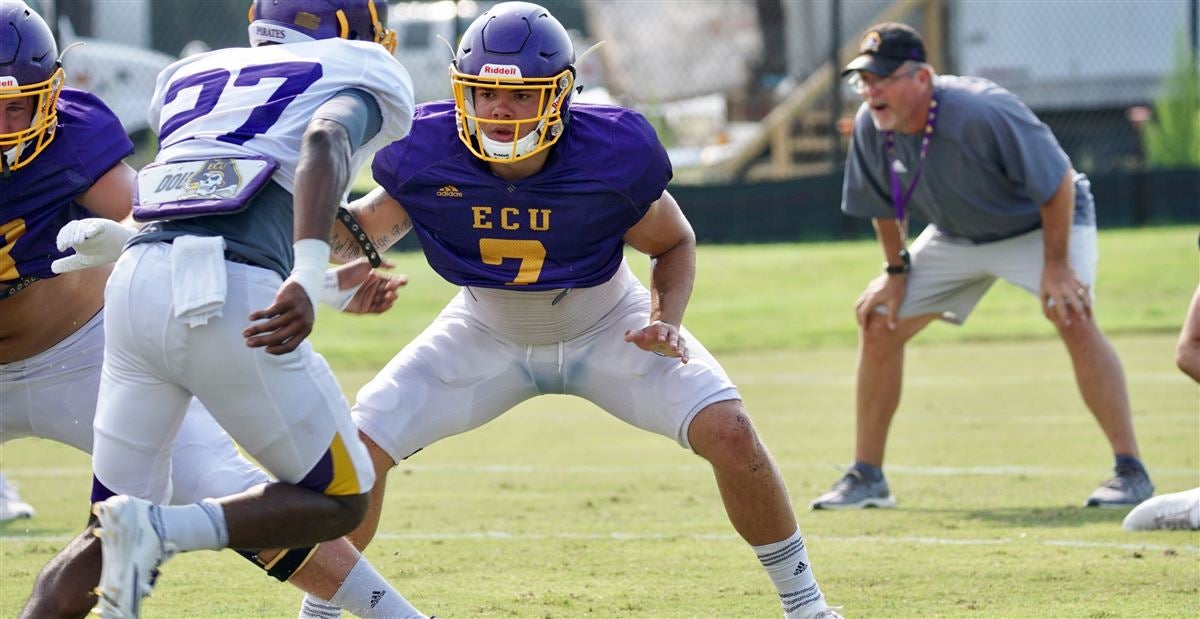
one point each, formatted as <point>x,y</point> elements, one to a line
<point>241,102</point>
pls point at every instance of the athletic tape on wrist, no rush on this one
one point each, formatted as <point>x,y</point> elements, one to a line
<point>332,295</point>
<point>308,270</point>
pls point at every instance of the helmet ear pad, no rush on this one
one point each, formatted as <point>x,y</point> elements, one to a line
<point>514,46</point>
<point>29,68</point>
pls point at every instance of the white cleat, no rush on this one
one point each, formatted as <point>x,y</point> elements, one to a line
<point>1175,511</point>
<point>132,551</point>
<point>11,505</point>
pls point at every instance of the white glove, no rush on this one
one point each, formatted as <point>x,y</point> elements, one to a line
<point>96,241</point>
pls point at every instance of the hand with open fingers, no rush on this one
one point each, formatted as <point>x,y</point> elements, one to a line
<point>377,294</point>
<point>282,326</point>
<point>95,240</point>
<point>883,290</point>
<point>660,338</point>
<point>1064,296</point>
<point>356,288</point>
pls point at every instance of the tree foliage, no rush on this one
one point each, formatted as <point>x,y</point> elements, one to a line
<point>1173,135</point>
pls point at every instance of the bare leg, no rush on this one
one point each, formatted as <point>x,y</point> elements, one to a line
<point>317,570</point>
<point>1101,380</point>
<point>880,374</point>
<point>325,571</point>
<point>756,500</point>
<point>280,515</point>
<point>755,496</point>
<point>365,532</point>
<point>328,568</point>
<point>64,587</point>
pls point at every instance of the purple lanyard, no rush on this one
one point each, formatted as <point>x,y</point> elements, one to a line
<point>900,197</point>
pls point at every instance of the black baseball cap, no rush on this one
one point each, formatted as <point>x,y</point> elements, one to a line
<point>885,47</point>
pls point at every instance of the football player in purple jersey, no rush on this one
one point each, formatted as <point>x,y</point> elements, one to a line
<point>61,167</point>
<point>526,201</point>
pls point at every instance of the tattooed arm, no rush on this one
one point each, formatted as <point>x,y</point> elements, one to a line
<point>383,219</point>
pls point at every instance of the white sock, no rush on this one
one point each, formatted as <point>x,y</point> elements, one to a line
<point>787,564</point>
<point>364,594</point>
<point>199,526</point>
<point>314,607</point>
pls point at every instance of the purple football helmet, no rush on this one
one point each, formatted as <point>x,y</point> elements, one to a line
<point>515,46</point>
<point>29,70</point>
<point>291,21</point>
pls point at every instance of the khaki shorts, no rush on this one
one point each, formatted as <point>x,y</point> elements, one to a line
<point>950,276</point>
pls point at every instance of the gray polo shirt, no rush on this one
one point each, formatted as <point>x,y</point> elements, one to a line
<point>990,167</point>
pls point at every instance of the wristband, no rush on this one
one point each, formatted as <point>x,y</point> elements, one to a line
<point>332,295</point>
<point>360,235</point>
<point>900,269</point>
<point>308,270</point>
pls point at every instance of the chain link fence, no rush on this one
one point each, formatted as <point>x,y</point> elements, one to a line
<point>712,75</point>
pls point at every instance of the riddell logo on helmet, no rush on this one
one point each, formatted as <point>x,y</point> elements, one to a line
<point>8,81</point>
<point>500,70</point>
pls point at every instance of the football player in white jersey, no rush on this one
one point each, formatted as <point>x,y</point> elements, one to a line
<point>283,125</point>
<point>61,149</point>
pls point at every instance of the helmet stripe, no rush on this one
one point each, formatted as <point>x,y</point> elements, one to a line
<point>343,24</point>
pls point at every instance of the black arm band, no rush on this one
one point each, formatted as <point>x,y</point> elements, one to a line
<point>284,564</point>
<point>17,286</point>
<point>360,235</point>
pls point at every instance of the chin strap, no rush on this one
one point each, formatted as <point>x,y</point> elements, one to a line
<point>509,150</point>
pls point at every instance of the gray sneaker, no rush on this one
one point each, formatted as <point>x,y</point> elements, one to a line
<point>854,492</point>
<point>1130,486</point>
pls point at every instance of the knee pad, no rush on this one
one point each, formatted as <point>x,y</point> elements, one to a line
<point>283,565</point>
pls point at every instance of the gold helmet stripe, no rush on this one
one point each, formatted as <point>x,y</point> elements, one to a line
<point>375,21</point>
<point>344,24</point>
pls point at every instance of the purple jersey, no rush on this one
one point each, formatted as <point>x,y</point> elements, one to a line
<point>38,199</point>
<point>560,228</point>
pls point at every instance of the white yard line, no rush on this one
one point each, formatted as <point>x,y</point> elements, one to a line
<point>17,473</point>
<point>621,536</point>
<point>956,380</point>
<point>635,537</point>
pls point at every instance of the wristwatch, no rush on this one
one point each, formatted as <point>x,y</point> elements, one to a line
<point>899,269</point>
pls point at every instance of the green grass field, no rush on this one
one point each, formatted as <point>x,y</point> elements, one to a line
<point>558,510</point>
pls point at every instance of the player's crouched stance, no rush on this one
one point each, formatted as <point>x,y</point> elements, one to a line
<point>526,202</point>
